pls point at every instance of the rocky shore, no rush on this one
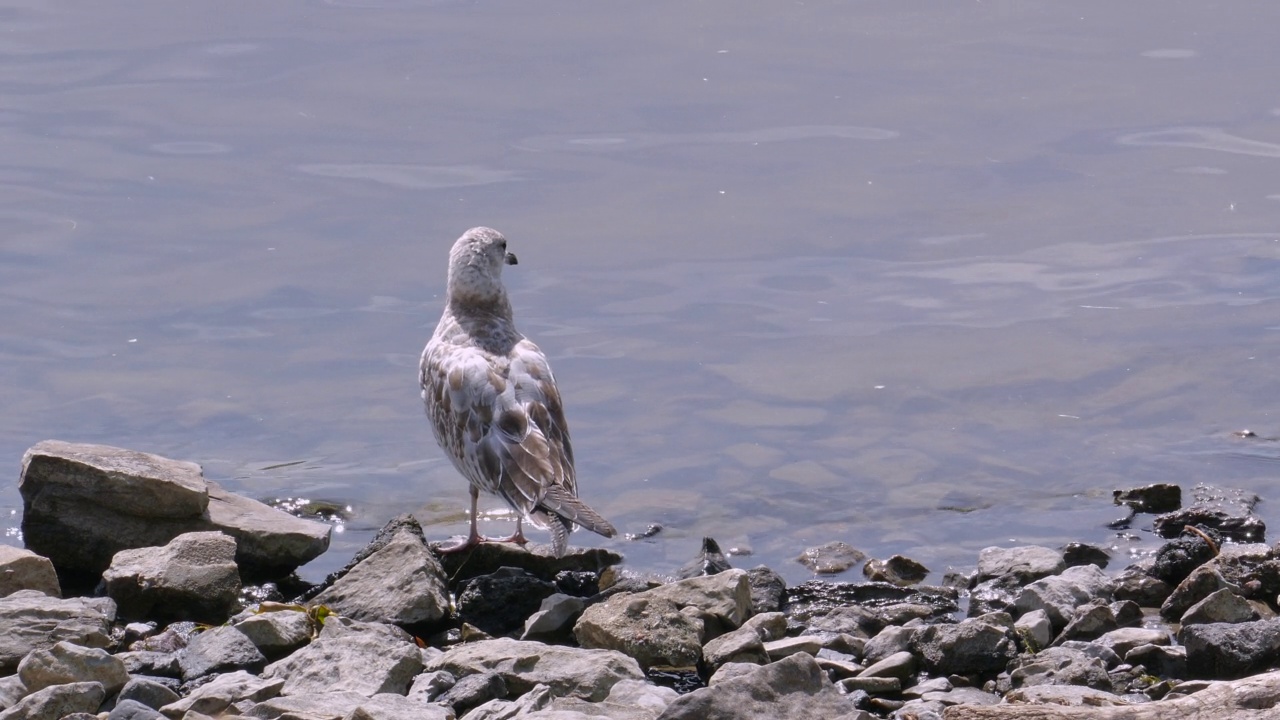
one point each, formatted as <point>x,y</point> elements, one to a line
<point>146,591</point>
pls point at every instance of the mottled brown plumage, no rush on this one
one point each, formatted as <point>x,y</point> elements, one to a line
<point>493,402</point>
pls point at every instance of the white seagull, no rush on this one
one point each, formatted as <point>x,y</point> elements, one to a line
<point>493,402</point>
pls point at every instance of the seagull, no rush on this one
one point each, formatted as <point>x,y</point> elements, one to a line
<point>494,405</point>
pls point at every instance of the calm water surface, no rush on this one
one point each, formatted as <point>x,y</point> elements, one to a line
<point>923,279</point>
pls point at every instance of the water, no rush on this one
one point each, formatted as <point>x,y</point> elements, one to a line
<point>920,279</point>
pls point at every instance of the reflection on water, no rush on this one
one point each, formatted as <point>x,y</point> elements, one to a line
<point>922,281</point>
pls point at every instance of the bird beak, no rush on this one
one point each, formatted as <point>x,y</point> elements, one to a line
<point>511,259</point>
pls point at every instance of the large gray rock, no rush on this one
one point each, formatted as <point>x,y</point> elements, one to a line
<point>218,649</point>
<point>400,582</point>
<point>218,694</point>
<point>148,691</point>
<point>555,616</point>
<point>746,644</point>
<point>1230,650</point>
<point>1222,606</point>
<point>350,655</point>
<point>588,674</point>
<point>725,597</point>
<point>794,687</point>
<point>1060,595</point>
<point>1024,563</point>
<point>84,503</point>
<point>350,705</point>
<point>24,570</point>
<point>276,632</point>
<point>68,663</point>
<point>58,701</point>
<point>1198,585</point>
<point>975,646</point>
<point>628,700</point>
<point>653,630</point>
<point>193,577</point>
<point>29,619</point>
<point>1059,666</point>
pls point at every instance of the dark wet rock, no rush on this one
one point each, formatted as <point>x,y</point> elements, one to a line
<point>218,649</point>
<point>1157,498</point>
<point>193,577</point>
<point>1023,564</point>
<point>1200,584</point>
<point>1176,559</point>
<point>537,560</point>
<point>1059,666</point>
<point>578,583</point>
<point>819,598</point>
<point>84,503</point>
<point>1089,622</point>
<point>1076,553</point>
<point>831,558</point>
<point>747,643</point>
<point>350,655</point>
<point>768,589</point>
<point>1230,650</point>
<point>794,687</point>
<point>147,691</point>
<point>975,646</point>
<point>584,673</point>
<point>276,632</point>
<point>30,620</point>
<point>998,594</point>
<point>24,570</point>
<point>896,570</point>
<point>58,701</point>
<point>1137,584</point>
<point>501,601</point>
<point>554,618</point>
<point>395,579</point>
<point>653,630</point>
<point>473,690</point>
<point>69,663</point>
<point>709,561</point>
<point>1220,606</point>
<point>1060,595</point>
<point>222,692</point>
<point>1237,524</point>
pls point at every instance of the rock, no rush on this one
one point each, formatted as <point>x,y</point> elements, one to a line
<point>485,558</point>
<point>24,570</point>
<point>1059,666</point>
<point>148,692</point>
<point>1175,560</point>
<point>84,503</point>
<point>1089,622</point>
<point>1136,584</point>
<point>588,674</point>
<point>396,579</point>
<point>746,644</point>
<point>474,690</point>
<point>66,663</point>
<point>877,603</point>
<point>889,641</point>
<point>786,647</point>
<point>1200,584</point>
<point>501,601</point>
<point>653,630</point>
<point>975,646</point>
<point>1230,650</point>
<point>57,701</point>
<point>1025,563</point>
<point>1244,527</point>
<point>871,685</point>
<point>193,577</point>
<point>1075,553</point>
<point>1123,640</point>
<point>831,558</point>
<point>555,617</point>
<point>145,662</point>
<point>995,595</point>
<point>1060,595</point>
<point>1065,696</point>
<point>794,687</point>
<point>276,632</point>
<point>1157,498</point>
<point>900,665</point>
<point>709,561</point>
<point>1162,660</point>
<point>1220,606</point>
<point>349,655</point>
<point>347,705</point>
<point>428,686</point>
<point>768,589</point>
<point>127,709</point>
<point>218,649</point>
<point>29,620</point>
<point>222,692</point>
<point>726,597</point>
<point>1035,630</point>
<point>897,570</point>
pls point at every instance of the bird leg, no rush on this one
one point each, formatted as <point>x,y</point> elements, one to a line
<point>474,537</point>
<point>516,537</point>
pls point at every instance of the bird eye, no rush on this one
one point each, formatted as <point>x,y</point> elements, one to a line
<point>502,244</point>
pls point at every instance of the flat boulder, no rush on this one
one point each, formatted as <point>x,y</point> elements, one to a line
<point>523,664</point>
<point>24,570</point>
<point>29,620</point>
<point>193,577</point>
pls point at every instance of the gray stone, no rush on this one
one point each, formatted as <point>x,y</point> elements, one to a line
<point>794,687</point>
<point>147,691</point>
<point>650,629</point>
<point>901,665</point>
<point>350,655</point>
<point>1163,660</point>
<point>1200,584</point>
<point>66,663</point>
<point>147,662</point>
<point>276,632</point>
<point>193,577</point>
<point>971,647</point>
<point>502,600</point>
<point>269,542</point>
<point>1060,595</point>
<point>746,644</point>
<point>1024,564</point>
<point>401,583</point>
<point>474,690</point>
<point>1137,584</point>
<point>831,558</point>
<point>585,673</point>
<point>1059,666</point>
<point>1125,639</point>
<point>1065,695</point>
<point>768,589</point>
<point>897,570</point>
<point>963,696</point>
<point>128,709</point>
<point>1090,621</point>
<point>24,570</point>
<point>1035,630</point>
<point>872,685</point>
<point>937,684</point>
<point>428,686</point>
<point>224,690</point>
<point>29,620</point>
<point>218,649</point>
<point>725,596</point>
<point>11,691</point>
<point>555,616</point>
<point>1220,606</point>
<point>778,649</point>
<point>1230,650</point>
<point>889,641</point>
<point>340,705</point>
<point>58,701</point>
